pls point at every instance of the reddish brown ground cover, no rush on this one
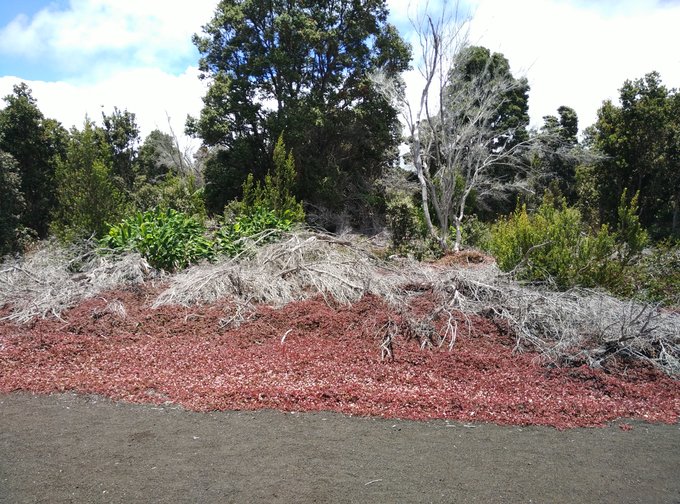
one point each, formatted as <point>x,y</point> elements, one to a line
<point>330,360</point>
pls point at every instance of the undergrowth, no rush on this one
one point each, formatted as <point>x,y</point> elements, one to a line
<point>172,240</point>
<point>554,246</point>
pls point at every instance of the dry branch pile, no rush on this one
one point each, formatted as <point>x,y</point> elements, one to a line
<point>566,327</point>
<point>301,266</point>
<point>573,327</point>
<point>53,279</point>
<point>576,326</point>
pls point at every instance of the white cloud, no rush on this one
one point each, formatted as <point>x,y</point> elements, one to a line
<point>132,54</point>
<point>573,52</point>
<point>149,93</point>
<point>144,32</point>
<point>579,55</point>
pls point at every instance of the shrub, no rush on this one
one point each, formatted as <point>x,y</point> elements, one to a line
<point>181,193</point>
<point>402,220</point>
<point>656,275</point>
<point>276,194</point>
<point>168,239</point>
<point>87,195</point>
<point>229,239</point>
<point>553,246</point>
<point>475,232</point>
<point>631,236</point>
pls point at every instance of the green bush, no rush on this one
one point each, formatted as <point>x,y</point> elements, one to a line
<point>631,236</point>
<point>553,245</point>
<point>656,275</point>
<point>88,196</point>
<point>403,221</point>
<point>277,192</point>
<point>475,232</point>
<point>168,239</point>
<point>180,193</point>
<point>229,238</point>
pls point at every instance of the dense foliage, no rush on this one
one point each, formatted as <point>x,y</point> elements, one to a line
<point>168,239</point>
<point>88,197</point>
<point>299,68</point>
<point>11,203</point>
<point>172,240</point>
<point>554,245</point>
<point>35,143</point>
<point>641,141</point>
<point>276,193</point>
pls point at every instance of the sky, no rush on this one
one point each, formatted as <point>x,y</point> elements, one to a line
<point>85,57</point>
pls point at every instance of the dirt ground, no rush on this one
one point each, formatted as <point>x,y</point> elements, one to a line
<point>68,448</point>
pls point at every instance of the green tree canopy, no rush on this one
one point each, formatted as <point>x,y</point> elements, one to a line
<point>121,135</point>
<point>89,200</point>
<point>559,156</point>
<point>157,156</point>
<point>640,139</point>
<point>11,203</point>
<point>36,143</point>
<point>299,67</point>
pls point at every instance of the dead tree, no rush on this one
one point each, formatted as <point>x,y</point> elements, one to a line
<point>454,138</point>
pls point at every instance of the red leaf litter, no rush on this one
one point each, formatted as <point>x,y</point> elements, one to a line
<point>309,356</point>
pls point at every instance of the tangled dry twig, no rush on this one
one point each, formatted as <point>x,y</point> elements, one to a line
<point>54,278</point>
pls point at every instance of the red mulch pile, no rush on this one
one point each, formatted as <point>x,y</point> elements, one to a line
<point>330,360</point>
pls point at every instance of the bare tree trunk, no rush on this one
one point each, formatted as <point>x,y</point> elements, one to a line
<point>426,204</point>
<point>459,235</point>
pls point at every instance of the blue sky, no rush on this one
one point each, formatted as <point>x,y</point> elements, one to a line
<point>84,56</point>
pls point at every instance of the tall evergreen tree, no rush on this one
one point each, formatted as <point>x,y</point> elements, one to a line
<point>36,143</point>
<point>640,140</point>
<point>300,68</point>
<point>11,203</point>
<point>88,198</point>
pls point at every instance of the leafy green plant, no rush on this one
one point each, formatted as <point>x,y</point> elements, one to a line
<point>276,193</point>
<point>475,232</point>
<point>631,236</point>
<point>403,221</point>
<point>230,237</point>
<point>168,239</point>
<point>87,194</point>
<point>655,276</point>
<point>554,245</point>
<point>181,193</point>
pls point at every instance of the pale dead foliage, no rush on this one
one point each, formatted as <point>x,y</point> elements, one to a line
<point>54,278</point>
<point>577,326</point>
<point>301,266</point>
<point>565,327</point>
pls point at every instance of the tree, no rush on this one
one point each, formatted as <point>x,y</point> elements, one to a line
<point>559,156</point>
<point>640,140</point>
<point>157,156</point>
<point>168,177</point>
<point>299,68</point>
<point>276,194</point>
<point>161,154</point>
<point>121,134</point>
<point>11,203</point>
<point>88,198</point>
<point>36,143</point>
<point>466,133</point>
